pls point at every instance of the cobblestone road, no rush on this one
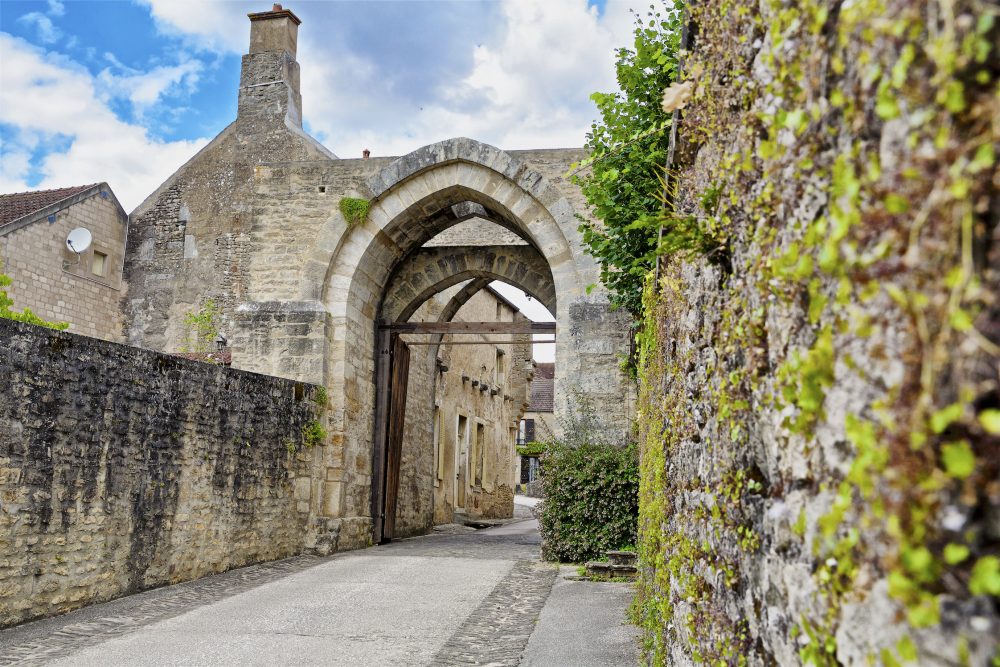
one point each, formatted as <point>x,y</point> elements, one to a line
<point>457,597</point>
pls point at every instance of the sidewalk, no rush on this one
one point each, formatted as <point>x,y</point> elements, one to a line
<point>583,624</point>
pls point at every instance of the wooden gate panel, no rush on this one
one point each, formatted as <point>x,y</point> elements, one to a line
<point>398,376</point>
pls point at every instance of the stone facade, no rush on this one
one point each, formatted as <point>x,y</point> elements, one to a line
<point>123,469</point>
<point>56,283</point>
<point>253,222</point>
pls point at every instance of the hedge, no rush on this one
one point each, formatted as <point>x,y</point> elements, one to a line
<point>591,501</point>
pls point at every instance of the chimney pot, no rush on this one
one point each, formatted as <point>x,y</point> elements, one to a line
<point>276,7</point>
<point>366,153</point>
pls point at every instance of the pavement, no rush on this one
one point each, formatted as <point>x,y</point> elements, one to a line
<point>455,597</point>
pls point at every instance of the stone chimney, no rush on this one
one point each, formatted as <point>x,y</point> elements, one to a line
<point>269,78</point>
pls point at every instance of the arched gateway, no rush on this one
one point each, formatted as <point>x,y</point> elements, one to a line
<point>253,222</point>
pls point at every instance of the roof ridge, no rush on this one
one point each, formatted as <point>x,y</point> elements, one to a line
<point>47,190</point>
<point>17,205</point>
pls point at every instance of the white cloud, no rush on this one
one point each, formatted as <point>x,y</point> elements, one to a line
<point>45,95</point>
<point>211,26</point>
<point>517,74</point>
<point>48,33</point>
<point>144,89</point>
<point>528,86</point>
<point>56,8</point>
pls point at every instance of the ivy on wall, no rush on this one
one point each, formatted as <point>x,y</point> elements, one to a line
<point>853,194</point>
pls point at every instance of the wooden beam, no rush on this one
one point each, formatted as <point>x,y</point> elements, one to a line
<point>476,342</point>
<point>469,327</point>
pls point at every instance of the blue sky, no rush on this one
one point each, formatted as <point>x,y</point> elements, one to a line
<point>127,91</point>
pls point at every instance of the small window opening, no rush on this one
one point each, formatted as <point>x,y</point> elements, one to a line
<point>99,264</point>
<point>322,188</point>
<point>500,368</point>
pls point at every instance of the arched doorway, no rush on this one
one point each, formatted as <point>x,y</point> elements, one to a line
<point>417,197</point>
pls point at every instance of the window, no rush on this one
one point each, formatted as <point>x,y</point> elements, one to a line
<point>526,432</point>
<point>499,369</point>
<point>100,263</point>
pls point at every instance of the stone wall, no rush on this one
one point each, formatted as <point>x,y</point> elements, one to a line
<point>123,469</point>
<point>54,282</point>
<point>821,392</point>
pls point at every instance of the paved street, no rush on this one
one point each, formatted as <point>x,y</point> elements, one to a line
<point>458,596</point>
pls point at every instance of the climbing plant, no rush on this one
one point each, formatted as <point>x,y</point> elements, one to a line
<point>857,303</point>
<point>354,210</point>
<point>622,176</point>
<point>201,328</point>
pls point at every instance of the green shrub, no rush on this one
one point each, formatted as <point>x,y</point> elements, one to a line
<point>354,210</point>
<point>591,501</point>
<point>532,448</point>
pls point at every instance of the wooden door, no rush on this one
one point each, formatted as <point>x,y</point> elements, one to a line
<point>399,373</point>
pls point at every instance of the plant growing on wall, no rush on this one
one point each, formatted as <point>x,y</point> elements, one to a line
<point>622,177</point>
<point>354,210</point>
<point>201,328</point>
<point>25,315</point>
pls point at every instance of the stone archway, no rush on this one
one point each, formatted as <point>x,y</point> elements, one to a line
<point>413,199</point>
<point>427,271</point>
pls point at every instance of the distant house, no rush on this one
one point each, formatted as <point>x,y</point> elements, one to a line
<point>81,288</point>
<point>537,424</point>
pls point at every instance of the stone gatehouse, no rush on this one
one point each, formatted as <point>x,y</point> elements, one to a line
<point>254,223</point>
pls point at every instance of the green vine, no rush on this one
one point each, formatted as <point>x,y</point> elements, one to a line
<point>201,328</point>
<point>850,273</point>
<point>354,210</point>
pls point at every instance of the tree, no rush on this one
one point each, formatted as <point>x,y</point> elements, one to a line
<point>622,178</point>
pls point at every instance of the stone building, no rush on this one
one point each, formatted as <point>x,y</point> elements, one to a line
<point>82,289</point>
<point>256,222</point>
<point>538,423</point>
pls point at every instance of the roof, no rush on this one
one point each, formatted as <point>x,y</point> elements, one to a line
<point>543,388</point>
<point>18,205</point>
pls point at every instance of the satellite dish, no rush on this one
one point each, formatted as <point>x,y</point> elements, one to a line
<point>79,240</point>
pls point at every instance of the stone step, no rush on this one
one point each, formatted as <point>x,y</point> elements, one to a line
<point>621,557</point>
<point>604,570</point>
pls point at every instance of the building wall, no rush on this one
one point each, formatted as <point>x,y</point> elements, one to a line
<point>48,279</point>
<point>545,425</point>
<point>123,469</point>
<point>498,414</point>
<point>253,222</point>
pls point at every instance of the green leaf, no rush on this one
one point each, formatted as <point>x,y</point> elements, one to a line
<point>945,416</point>
<point>961,320</point>
<point>990,421</point>
<point>959,459</point>
<point>955,553</point>
<point>985,578</point>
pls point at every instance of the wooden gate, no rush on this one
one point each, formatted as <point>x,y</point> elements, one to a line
<point>393,368</point>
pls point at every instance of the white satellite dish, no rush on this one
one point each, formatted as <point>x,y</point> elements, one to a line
<point>79,240</point>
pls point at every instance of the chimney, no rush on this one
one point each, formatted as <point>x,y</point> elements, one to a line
<point>269,78</point>
<point>366,153</point>
<point>276,30</point>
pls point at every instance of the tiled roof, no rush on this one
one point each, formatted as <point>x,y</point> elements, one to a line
<point>16,206</point>
<point>542,388</point>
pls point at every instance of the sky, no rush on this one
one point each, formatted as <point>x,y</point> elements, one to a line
<point>126,92</point>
